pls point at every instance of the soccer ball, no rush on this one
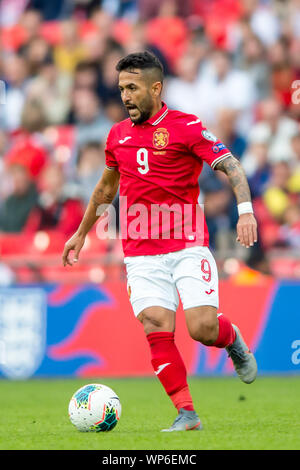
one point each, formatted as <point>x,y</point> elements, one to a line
<point>95,407</point>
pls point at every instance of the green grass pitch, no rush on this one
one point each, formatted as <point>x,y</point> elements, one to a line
<point>263,415</point>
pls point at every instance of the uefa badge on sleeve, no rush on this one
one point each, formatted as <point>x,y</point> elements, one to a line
<point>218,147</point>
<point>209,136</point>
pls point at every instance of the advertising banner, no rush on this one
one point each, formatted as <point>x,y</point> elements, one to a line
<point>90,330</point>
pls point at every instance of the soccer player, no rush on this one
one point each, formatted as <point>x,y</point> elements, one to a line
<point>156,155</point>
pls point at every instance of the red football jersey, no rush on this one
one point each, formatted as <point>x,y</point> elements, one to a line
<point>159,162</point>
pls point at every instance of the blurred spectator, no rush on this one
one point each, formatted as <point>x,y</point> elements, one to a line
<point>115,111</point>
<point>53,90</point>
<point>90,166</point>
<point>295,143</point>
<point>56,208</point>
<point>148,10</point>
<point>33,118</point>
<point>15,76</point>
<point>86,75</point>
<point>95,45</point>
<point>31,21</point>
<point>36,52</point>
<point>227,133</point>
<point>263,20</point>
<point>84,8</point>
<point>257,167</point>
<point>282,74</point>
<point>26,28</point>
<point>216,204</point>
<point>52,10</point>
<point>294,56</point>
<point>11,11</point>
<point>168,31</point>
<point>103,22</point>
<point>199,46</point>
<point>16,208</point>
<point>70,51</point>
<point>138,41</point>
<point>289,233</point>
<point>293,8</point>
<point>4,183</point>
<point>121,8</point>
<point>294,182</point>
<point>252,59</point>
<point>27,147</point>
<point>275,129</point>
<point>221,86</point>
<point>108,85</point>
<point>180,91</point>
<point>91,123</point>
<point>277,196</point>
<point>26,153</point>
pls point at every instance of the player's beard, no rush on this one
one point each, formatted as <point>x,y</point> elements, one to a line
<point>145,109</point>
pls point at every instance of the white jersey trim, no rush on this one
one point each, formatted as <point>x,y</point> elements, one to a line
<point>160,118</point>
<point>219,159</point>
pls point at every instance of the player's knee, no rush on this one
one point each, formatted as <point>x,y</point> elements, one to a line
<point>204,330</point>
<point>153,322</point>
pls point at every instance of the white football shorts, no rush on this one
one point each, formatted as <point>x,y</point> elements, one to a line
<point>159,280</point>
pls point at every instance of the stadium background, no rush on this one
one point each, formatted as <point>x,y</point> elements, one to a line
<point>235,64</point>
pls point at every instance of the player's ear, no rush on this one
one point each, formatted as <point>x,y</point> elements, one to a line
<point>156,89</point>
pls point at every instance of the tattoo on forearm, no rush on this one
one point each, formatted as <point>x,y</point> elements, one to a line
<point>101,197</point>
<point>237,178</point>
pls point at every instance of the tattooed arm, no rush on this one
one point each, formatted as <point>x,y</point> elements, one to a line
<point>102,196</point>
<point>246,226</point>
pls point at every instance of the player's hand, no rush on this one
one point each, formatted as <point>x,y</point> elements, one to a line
<point>75,244</point>
<point>247,230</point>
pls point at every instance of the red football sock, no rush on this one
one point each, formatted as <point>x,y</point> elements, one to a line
<point>226,332</point>
<point>170,369</point>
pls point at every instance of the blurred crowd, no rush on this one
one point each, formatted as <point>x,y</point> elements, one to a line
<point>235,64</point>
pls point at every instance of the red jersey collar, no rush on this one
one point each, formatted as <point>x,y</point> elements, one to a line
<point>158,117</point>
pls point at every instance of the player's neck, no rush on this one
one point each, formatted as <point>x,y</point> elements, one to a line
<point>157,107</point>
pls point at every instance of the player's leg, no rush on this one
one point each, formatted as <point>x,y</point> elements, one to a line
<point>155,300</point>
<point>205,326</point>
<point>197,282</point>
<point>208,327</point>
<point>168,366</point>
<point>156,319</point>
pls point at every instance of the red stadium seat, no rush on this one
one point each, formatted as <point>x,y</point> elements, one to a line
<point>15,244</point>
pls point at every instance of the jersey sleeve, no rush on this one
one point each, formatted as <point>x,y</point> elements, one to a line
<point>204,144</point>
<point>110,160</point>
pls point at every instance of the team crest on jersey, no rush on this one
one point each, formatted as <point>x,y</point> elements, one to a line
<point>160,138</point>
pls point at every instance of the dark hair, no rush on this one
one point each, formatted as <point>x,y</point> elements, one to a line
<point>141,60</point>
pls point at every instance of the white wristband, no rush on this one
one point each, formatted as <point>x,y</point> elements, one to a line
<point>245,208</point>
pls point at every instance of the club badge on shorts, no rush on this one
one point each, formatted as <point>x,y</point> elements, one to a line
<point>160,138</point>
<point>129,291</point>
